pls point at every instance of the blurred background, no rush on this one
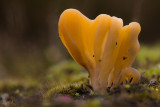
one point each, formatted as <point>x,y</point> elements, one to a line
<point>30,45</point>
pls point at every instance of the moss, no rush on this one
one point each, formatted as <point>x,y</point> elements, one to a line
<point>93,103</point>
<point>128,86</point>
<point>148,55</point>
<point>66,71</point>
<point>153,71</point>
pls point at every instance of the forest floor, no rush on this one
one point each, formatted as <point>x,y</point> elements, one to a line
<point>66,84</point>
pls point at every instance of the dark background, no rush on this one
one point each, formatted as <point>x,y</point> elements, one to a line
<point>29,40</point>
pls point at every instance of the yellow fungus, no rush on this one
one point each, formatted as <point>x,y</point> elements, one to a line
<point>103,46</point>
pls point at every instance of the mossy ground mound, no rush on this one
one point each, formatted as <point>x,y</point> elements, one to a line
<point>66,84</point>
